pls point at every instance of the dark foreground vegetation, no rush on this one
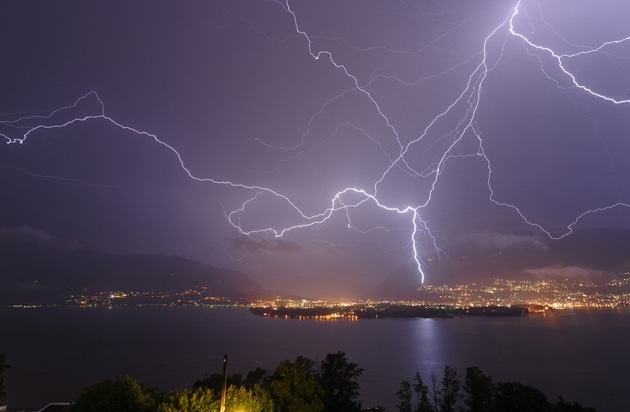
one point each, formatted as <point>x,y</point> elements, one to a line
<point>2,367</point>
<point>477,394</point>
<point>303,385</point>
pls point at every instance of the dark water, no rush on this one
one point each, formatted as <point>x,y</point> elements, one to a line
<point>584,356</point>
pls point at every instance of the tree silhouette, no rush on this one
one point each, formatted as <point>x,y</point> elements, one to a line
<point>562,406</point>
<point>404,396</point>
<point>215,381</point>
<point>258,376</point>
<point>124,394</point>
<point>191,400</point>
<point>3,366</point>
<point>448,393</point>
<point>294,386</point>
<point>516,397</point>
<point>339,379</point>
<point>479,390</point>
<point>333,387</point>
<point>423,404</point>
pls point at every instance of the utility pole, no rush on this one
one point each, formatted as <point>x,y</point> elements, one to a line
<point>224,387</point>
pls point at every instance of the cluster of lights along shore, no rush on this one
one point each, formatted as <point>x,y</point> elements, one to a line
<point>553,294</point>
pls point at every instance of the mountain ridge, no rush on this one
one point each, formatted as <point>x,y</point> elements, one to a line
<point>39,268</point>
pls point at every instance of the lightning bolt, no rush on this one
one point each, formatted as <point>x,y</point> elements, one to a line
<point>465,105</point>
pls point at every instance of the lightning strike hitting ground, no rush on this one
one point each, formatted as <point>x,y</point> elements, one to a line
<point>465,106</point>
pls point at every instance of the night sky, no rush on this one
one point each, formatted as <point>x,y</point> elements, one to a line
<point>207,129</point>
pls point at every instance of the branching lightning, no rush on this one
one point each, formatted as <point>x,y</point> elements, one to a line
<point>467,101</point>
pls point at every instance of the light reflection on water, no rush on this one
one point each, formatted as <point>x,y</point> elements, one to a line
<point>55,352</point>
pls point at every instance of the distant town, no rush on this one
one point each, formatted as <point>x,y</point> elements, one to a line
<point>431,301</point>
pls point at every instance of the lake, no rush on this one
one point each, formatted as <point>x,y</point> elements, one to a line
<point>55,352</point>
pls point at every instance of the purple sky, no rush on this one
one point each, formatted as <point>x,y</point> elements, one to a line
<point>424,107</point>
